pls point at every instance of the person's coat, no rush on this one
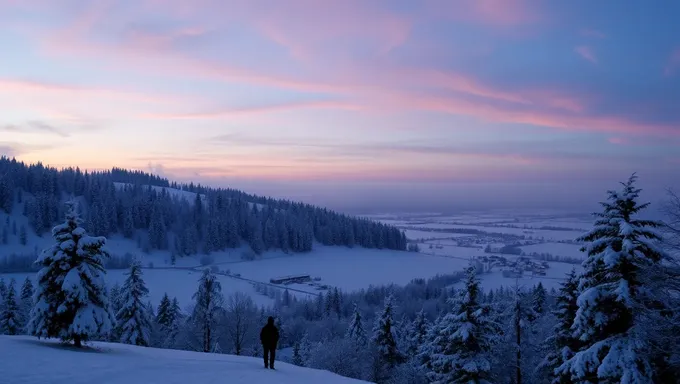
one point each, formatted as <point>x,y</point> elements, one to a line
<point>269,336</point>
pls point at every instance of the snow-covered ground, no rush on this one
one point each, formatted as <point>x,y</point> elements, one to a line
<point>351,269</point>
<point>557,249</point>
<point>26,360</point>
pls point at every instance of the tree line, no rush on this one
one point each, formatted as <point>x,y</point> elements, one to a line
<point>138,206</point>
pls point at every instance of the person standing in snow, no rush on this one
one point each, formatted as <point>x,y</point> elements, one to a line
<point>269,337</point>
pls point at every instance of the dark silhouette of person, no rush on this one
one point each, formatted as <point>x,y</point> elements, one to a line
<point>269,337</point>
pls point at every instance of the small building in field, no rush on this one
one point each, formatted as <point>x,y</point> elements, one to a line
<point>291,279</point>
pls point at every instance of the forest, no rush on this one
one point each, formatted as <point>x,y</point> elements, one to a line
<point>136,205</point>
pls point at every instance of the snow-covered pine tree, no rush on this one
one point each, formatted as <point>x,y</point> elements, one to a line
<point>71,299</point>
<point>305,350</point>
<point>23,236</point>
<point>562,344</point>
<point>297,356</point>
<point>538,300</point>
<point>3,292</point>
<point>26,302</point>
<point>384,336</point>
<point>356,331</point>
<point>134,323</point>
<point>209,300</point>
<point>10,317</point>
<point>463,339</point>
<point>164,316</point>
<point>417,334</point>
<point>115,297</point>
<point>620,247</point>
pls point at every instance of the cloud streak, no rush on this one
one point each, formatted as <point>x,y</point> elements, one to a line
<point>587,53</point>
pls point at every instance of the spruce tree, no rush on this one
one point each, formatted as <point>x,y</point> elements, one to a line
<point>463,339</point>
<point>134,321</point>
<point>384,336</point>
<point>164,316</point>
<point>71,300</point>
<point>23,236</point>
<point>297,356</point>
<point>417,334</point>
<point>26,302</point>
<point>562,344</point>
<point>356,331</point>
<point>620,247</point>
<point>10,317</point>
<point>538,300</point>
<point>209,300</point>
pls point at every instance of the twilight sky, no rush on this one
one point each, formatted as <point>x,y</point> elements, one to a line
<point>390,104</point>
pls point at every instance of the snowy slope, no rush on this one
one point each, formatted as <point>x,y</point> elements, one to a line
<point>190,197</point>
<point>26,360</point>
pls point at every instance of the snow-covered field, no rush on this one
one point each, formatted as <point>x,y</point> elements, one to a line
<point>553,278</point>
<point>557,249</point>
<point>352,269</point>
<point>26,360</point>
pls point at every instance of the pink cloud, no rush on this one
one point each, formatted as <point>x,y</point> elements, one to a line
<point>619,140</point>
<point>673,63</point>
<point>253,110</point>
<point>502,13</point>
<point>587,53</point>
<point>589,32</point>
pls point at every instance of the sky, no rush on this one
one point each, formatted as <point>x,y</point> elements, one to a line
<point>354,104</point>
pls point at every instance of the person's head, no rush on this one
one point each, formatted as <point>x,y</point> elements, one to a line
<point>270,320</point>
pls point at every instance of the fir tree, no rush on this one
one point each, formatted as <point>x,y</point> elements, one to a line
<point>562,344</point>
<point>26,301</point>
<point>619,247</point>
<point>10,317</point>
<point>384,337</point>
<point>115,298</point>
<point>297,357</point>
<point>416,334</point>
<point>23,237</point>
<point>209,300</point>
<point>71,300</point>
<point>538,300</point>
<point>356,331</point>
<point>463,339</point>
<point>164,317</point>
<point>134,321</point>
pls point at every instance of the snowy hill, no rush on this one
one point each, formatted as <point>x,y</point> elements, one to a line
<point>27,360</point>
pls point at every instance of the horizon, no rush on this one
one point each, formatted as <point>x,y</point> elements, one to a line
<point>381,107</point>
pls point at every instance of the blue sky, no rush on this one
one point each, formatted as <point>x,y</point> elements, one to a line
<point>351,103</point>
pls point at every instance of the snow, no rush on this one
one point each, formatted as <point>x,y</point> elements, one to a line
<point>556,249</point>
<point>351,269</point>
<point>26,360</point>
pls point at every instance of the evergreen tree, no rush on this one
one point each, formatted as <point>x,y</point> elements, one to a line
<point>10,317</point>
<point>26,302</point>
<point>165,317</point>
<point>209,300</point>
<point>5,235</point>
<point>562,344</point>
<point>538,300</point>
<point>463,339</point>
<point>23,237</point>
<point>71,298</point>
<point>134,321</point>
<point>619,247</point>
<point>416,334</point>
<point>384,336</point>
<point>297,357</point>
<point>356,331</point>
<point>115,298</point>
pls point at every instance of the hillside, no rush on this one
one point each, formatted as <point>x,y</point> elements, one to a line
<point>27,360</point>
<point>182,219</point>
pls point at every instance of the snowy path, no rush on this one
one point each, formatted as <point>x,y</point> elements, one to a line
<point>26,360</point>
